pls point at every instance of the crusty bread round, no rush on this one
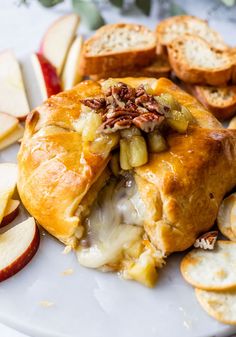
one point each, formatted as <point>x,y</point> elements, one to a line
<point>223,218</point>
<point>219,305</point>
<point>195,61</point>
<point>221,101</point>
<point>211,270</point>
<point>171,28</point>
<point>160,67</point>
<point>58,175</point>
<point>116,46</point>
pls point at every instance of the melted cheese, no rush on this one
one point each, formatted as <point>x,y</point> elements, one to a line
<point>114,223</point>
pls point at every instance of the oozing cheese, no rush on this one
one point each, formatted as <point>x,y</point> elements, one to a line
<point>115,222</point>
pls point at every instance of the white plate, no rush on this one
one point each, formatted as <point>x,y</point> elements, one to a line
<point>88,303</point>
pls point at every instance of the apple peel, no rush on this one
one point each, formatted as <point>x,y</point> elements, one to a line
<point>8,174</point>
<point>18,245</point>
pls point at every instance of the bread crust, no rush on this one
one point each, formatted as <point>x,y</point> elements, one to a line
<point>96,64</point>
<point>222,111</point>
<point>56,172</point>
<point>157,69</point>
<point>187,72</point>
<point>163,26</point>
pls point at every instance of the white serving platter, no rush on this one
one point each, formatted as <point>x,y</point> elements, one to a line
<point>88,303</point>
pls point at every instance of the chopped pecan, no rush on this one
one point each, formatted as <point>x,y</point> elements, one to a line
<point>148,121</point>
<point>123,106</point>
<point>207,240</point>
<point>117,123</point>
<point>94,103</point>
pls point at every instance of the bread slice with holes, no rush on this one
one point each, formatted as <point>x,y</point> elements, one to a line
<point>159,68</point>
<point>195,61</point>
<point>171,28</point>
<point>116,46</point>
<point>221,101</point>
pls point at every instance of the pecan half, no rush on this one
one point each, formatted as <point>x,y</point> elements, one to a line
<point>124,106</point>
<point>207,240</point>
<point>94,103</point>
<point>148,121</point>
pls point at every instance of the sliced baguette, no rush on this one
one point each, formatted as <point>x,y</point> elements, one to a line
<point>171,28</point>
<point>159,68</point>
<point>221,101</point>
<point>195,61</point>
<point>116,46</point>
<point>233,54</point>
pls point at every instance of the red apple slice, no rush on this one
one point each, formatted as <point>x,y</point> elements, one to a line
<point>57,40</point>
<point>71,72</point>
<point>11,212</point>
<point>17,247</point>
<point>13,97</point>
<point>8,174</point>
<point>7,124</point>
<point>46,75</point>
<point>12,138</point>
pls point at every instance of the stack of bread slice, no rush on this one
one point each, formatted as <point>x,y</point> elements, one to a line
<point>183,45</point>
<point>199,57</point>
<point>120,50</point>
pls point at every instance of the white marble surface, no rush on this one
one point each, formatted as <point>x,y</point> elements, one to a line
<point>22,29</point>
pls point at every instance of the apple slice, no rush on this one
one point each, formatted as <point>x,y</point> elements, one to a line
<point>17,247</point>
<point>57,40</point>
<point>12,138</point>
<point>46,75</point>
<point>71,74</point>
<point>8,174</point>
<point>11,212</point>
<point>13,97</point>
<point>7,124</point>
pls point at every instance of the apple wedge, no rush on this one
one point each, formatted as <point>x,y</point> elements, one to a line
<point>8,174</point>
<point>57,40</point>
<point>11,212</point>
<point>71,74</point>
<point>7,124</point>
<point>13,97</point>
<point>46,76</point>
<point>17,247</point>
<point>12,138</point>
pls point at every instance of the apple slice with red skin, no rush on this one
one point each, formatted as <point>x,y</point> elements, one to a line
<point>57,40</point>
<point>8,174</point>
<point>13,137</point>
<point>7,124</point>
<point>46,75</point>
<point>71,73</point>
<point>17,247</point>
<point>13,98</point>
<point>11,212</point>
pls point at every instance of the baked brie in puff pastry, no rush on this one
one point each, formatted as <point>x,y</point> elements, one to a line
<point>125,171</point>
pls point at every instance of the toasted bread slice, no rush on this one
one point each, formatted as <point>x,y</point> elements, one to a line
<point>171,28</point>
<point>195,61</point>
<point>221,101</point>
<point>233,53</point>
<point>116,46</point>
<point>159,68</point>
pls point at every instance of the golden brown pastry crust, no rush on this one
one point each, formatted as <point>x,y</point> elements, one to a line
<point>183,186</point>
